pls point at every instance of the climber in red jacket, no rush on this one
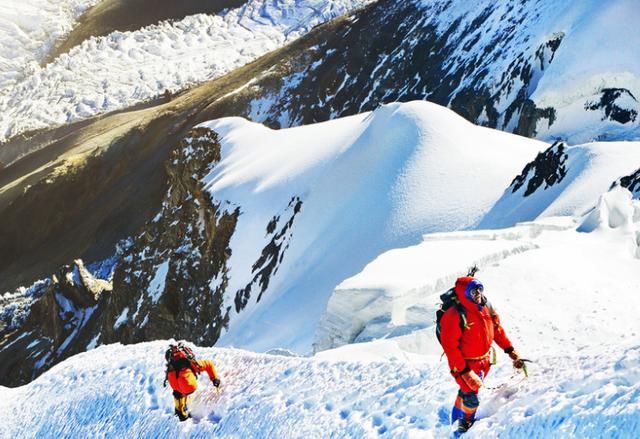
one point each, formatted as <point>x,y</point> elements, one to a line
<point>182,374</point>
<point>467,332</point>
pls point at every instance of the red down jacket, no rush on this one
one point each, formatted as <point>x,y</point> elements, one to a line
<point>468,345</point>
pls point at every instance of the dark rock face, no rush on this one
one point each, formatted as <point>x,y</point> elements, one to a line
<point>271,256</point>
<point>548,168</point>
<point>632,182</point>
<point>611,106</point>
<point>58,324</point>
<point>159,288</point>
<point>394,51</point>
<point>162,281</point>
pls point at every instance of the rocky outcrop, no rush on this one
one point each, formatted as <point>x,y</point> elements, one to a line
<point>170,282</point>
<point>616,104</point>
<point>55,322</point>
<point>632,182</point>
<point>547,169</point>
<point>166,282</point>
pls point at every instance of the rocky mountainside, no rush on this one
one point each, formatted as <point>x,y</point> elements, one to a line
<point>177,252</point>
<point>491,63</point>
<point>122,193</point>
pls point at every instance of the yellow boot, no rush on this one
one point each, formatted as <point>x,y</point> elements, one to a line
<point>180,402</point>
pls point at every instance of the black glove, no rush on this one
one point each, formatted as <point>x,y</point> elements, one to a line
<point>216,382</point>
<point>518,362</point>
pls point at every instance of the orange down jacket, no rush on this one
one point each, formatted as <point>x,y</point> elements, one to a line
<point>475,340</point>
<point>186,382</point>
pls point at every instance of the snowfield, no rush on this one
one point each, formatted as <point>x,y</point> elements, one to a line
<point>558,301</point>
<point>28,31</point>
<point>367,184</point>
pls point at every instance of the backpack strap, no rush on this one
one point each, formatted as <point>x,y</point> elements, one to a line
<point>463,316</point>
<point>492,312</point>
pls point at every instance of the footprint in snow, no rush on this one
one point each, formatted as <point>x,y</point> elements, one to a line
<point>214,418</point>
<point>444,416</point>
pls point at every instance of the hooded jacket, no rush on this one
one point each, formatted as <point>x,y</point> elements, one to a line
<point>186,381</point>
<point>483,328</point>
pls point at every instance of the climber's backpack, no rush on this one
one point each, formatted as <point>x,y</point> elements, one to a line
<point>450,299</point>
<point>180,356</point>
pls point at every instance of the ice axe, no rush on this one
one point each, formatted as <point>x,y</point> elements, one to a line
<point>524,366</point>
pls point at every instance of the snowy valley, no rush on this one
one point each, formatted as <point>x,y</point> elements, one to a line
<point>291,186</point>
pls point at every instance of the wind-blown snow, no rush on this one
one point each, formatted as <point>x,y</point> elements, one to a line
<point>367,183</point>
<point>557,302</point>
<point>125,68</point>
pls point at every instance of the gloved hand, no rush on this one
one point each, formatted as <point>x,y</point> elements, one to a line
<point>518,363</point>
<point>471,379</point>
<point>216,382</point>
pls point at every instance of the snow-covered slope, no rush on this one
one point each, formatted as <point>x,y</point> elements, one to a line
<point>564,181</point>
<point>595,75</point>
<point>539,68</point>
<point>550,69</point>
<point>581,60</point>
<point>343,192</point>
<point>557,301</point>
<point>126,68</point>
<point>28,31</point>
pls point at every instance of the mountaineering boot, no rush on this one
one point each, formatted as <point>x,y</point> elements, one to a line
<point>181,410</point>
<point>464,425</point>
<point>464,411</point>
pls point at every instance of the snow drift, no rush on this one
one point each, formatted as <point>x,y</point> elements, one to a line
<point>366,184</point>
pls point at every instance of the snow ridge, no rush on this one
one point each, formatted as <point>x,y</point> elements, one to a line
<point>392,175</point>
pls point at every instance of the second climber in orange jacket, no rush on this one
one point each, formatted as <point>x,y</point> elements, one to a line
<point>182,374</point>
<point>467,341</point>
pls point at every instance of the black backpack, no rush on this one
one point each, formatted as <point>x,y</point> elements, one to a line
<point>180,356</point>
<point>450,299</point>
